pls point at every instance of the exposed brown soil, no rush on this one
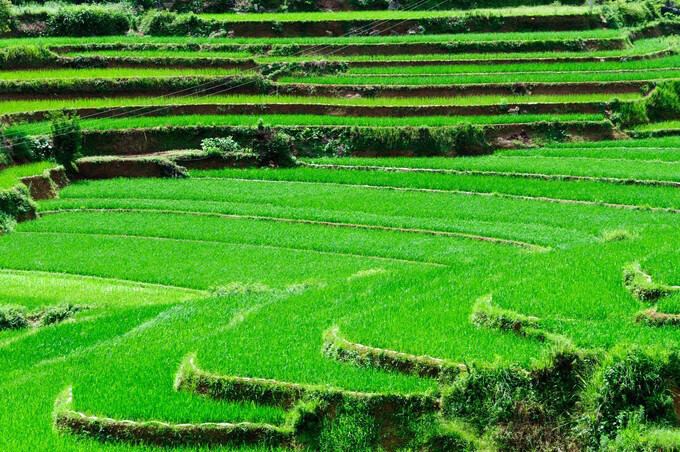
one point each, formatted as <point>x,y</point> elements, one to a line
<point>40,187</point>
<point>95,169</point>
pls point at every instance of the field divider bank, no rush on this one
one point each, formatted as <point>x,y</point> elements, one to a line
<point>66,419</point>
<point>390,26</point>
<point>52,88</point>
<point>336,347</point>
<point>356,49</point>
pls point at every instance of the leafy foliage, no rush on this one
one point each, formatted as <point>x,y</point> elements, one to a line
<point>67,140</point>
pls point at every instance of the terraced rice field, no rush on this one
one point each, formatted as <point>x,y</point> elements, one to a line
<point>476,247</point>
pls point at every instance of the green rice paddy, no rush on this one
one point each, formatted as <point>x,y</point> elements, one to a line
<point>248,267</point>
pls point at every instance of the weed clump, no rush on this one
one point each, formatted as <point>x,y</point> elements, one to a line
<point>13,317</point>
<point>631,382</point>
<point>617,235</point>
<point>57,314</point>
<point>641,285</point>
<point>273,148</point>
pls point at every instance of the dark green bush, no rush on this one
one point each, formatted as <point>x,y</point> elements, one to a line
<point>16,202</point>
<point>67,140</point>
<point>13,317</point>
<point>19,146</point>
<point>631,380</point>
<point>7,223</point>
<point>165,23</point>
<point>273,148</point>
<point>89,20</point>
<point>59,313</point>
<point>627,114</point>
<point>5,15</point>
<point>664,102</point>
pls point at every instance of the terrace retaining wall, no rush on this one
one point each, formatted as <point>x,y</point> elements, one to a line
<point>153,140</point>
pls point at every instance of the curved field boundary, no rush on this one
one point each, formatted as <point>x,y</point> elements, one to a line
<point>319,109</point>
<point>340,349</point>
<point>282,394</point>
<point>471,193</point>
<point>486,315</point>
<point>613,180</point>
<point>158,433</point>
<point>652,317</point>
<point>642,287</point>
<point>462,235</point>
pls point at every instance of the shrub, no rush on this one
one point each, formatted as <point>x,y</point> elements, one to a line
<point>165,23</point>
<point>664,102</point>
<point>221,146</point>
<point>5,15</point>
<point>16,203</point>
<point>67,139</point>
<point>56,314</point>
<point>19,146</point>
<point>630,381</point>
<point>7,223</point>
<point>627,114</point>
<point>13,317</point>
<point>87,20</point>
<point>273,148</point>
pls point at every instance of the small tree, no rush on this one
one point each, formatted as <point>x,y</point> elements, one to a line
<point>273,148</point>
<point>67,140</point>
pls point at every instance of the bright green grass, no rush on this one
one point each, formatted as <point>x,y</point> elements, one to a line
<point>665,125</point>
<point>21,106</point>
<point>243,120</point>
<point>642,170</point>
<point>556,77</point>
<point>462,37</point>
<point>595,192</point>
<point>122,362</point>
<point>34,289</point>
<point>112,73</point>
<point>667,143</point>
<point>351,203</point>
<point>667,62</point>
<point>394,15</point>
<point>9,177</point>
<point>604,153</point>
<point>343,241</point>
